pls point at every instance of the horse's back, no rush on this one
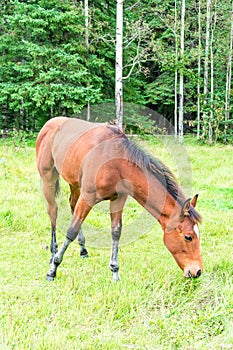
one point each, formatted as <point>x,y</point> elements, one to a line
<point>71,130</point>
<point>75,140</point>
<point>63,129</point>
<point>64,142</point>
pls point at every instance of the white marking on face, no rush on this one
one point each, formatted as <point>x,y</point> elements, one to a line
<point>196,230</point>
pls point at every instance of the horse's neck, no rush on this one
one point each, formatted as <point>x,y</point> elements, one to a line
<point>154,197</point>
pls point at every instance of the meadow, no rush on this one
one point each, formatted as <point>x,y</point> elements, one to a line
<point>153,306</point>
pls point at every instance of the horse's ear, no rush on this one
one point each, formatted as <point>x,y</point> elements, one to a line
<point>185,208</point>
<point>194,200</point>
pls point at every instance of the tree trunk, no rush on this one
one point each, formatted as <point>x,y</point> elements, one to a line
<point>22,120</point>
<point>119,65</point>
<point>199,71</point>
<point>207,45</point>
<point>176,73</point>
<point>212,78</point>
<point>86,13</point>
<point>181,95</point>
<point>228,79</point>
<point>206,66</point>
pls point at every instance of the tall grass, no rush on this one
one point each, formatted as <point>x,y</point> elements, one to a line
<point>153,306</point>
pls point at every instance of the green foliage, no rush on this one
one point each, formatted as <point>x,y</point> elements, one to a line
<point>43,69</point>
<point>47,70</point>
<point>160,87</point>
<point>138,124</point>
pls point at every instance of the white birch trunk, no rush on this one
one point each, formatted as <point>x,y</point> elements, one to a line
<point>119,65</point>
<point>207,45</point>
<point>212,77</point>
<point>181,94</point>
<point>228,77</point>
<point>21,114</point>
<point>199,71</point>
<point>176,73</point>
<point>206,63</point>
<point>86,14</point>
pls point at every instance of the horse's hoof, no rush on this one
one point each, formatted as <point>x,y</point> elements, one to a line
<point>115,277</point>
<point>83,253</point>
<point>50,278</point>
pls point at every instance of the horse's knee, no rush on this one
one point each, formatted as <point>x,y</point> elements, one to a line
<point>116,233</point>
<point>72,233</point>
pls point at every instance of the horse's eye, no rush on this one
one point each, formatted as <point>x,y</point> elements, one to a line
<point>188,238</point>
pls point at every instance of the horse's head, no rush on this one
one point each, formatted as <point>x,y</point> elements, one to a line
<point>183,241</point>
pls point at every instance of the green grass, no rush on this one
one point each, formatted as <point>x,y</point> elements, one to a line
<point>153,306</point>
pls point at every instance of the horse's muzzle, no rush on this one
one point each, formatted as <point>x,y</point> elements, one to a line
<point>188,273</point>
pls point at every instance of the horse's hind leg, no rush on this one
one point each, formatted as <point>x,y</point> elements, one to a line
<point>81,241</point>
<point>116,208</point>
<point>50,189</point>
<point>81,210</point>
<point>74,196</point>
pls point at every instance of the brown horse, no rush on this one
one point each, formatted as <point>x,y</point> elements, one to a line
<point>99,162</point>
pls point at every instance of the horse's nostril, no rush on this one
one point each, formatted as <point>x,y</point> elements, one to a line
<point>190,274</point>
<point>198,273</point>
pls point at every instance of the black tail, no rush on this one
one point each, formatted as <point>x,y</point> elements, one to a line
<point>57,187</point>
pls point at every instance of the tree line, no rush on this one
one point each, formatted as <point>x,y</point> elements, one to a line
<point>177,60</point>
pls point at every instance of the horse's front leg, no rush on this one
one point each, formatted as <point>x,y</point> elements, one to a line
<point>114,264</point>
<point>74,196</point>
<point>80,213</point>
<point>56,260</point>
<point>116,208</point>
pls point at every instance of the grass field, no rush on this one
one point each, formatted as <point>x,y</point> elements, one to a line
<point>153,306</point>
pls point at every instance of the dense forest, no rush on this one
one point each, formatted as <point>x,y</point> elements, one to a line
<point>177,58</point>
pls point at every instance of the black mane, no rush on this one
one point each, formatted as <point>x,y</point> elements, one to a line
<point>160,171</point>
